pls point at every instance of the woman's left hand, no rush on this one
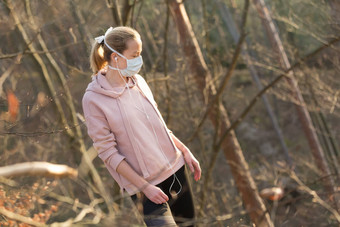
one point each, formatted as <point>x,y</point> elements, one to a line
<point>192,162</point>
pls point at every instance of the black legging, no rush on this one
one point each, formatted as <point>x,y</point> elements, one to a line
<point>175,210</point>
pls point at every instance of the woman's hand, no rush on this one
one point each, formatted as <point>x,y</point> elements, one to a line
<point>192,162</point>
<point>155,194</point>
<point>188,157</point>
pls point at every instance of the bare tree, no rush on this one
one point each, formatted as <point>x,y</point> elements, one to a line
<point>231,147</point>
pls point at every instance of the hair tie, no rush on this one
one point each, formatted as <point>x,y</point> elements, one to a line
<point>100,39</point>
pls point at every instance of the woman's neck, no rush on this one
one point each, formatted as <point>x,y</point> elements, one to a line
<point>115,79</point>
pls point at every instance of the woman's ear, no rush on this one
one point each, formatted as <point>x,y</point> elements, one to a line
<point>114,57</point>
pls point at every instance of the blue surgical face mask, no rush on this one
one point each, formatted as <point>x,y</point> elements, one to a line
<point>132,65</point>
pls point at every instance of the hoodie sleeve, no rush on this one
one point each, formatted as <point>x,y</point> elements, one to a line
<point>104,141</point>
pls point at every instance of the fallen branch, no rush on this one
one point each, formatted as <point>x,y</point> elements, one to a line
<point>38,169</point>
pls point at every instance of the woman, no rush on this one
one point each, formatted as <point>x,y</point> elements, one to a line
<point>143,156</point>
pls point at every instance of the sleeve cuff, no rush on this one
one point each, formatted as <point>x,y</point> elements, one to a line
<point>115,160</point>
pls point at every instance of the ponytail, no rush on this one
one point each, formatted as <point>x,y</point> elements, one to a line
<point>97,61</point>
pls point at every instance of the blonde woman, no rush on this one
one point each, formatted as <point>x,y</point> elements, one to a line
<point>143,156</point>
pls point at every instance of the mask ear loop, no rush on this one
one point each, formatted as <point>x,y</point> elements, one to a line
<point>113,50</point>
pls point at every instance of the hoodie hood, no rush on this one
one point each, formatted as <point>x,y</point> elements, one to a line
<point>99,84</point>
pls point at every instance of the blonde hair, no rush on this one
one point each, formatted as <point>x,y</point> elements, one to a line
<point>117,39</point>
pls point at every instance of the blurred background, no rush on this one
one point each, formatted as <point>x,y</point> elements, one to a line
<point>251,87</point>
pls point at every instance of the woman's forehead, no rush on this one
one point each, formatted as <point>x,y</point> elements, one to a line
<point>134,45</point>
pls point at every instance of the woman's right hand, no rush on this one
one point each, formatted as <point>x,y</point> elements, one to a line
<point>155,194</point>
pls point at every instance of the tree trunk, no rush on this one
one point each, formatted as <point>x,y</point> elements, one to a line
<point>231,147</point>
<point>303,113</point>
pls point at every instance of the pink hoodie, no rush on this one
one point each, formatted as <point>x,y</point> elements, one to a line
<point>129,126</point>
